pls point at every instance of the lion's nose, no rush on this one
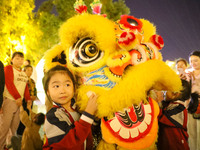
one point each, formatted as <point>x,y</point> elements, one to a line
<point>118,70</point>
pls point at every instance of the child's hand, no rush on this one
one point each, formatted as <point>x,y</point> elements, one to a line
<point>92,103</point>
<point>29,104</point>
<point>33,98</point>
<point>183,76</point>
<point>19,101</point>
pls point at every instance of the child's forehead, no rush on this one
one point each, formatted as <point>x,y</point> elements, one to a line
<point>29,68</point>
<point>60,76</point>
<point>18,55</point>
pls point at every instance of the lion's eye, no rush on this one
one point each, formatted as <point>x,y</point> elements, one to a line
<point>85,52</point>
<point>90,50</point>
<point>132,22</point>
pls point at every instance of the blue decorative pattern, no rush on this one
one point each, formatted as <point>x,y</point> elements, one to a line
<point>98,78</point>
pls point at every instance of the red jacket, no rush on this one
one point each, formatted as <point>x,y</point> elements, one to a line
<point>173,128</point>
<point>9,78</point>
<point>63,133</point>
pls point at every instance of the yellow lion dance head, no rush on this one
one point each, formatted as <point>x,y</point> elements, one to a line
<point>119,61</point>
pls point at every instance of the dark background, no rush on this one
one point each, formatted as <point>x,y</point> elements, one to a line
<point>177,21</point>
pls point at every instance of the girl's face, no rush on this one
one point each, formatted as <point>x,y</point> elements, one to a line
<point>61,89</point>
<point>195,62</point>
<point>29,71</point>
<point>17,61</point>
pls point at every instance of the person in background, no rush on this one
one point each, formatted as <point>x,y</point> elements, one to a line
<point>181,65</point>
<point>194,117</point>
<point>172,120</point>
<point>34,73</point>
<point>31,139</point>
<point>31,83</point>
<point>27,62</point>
<point>2,84</point>
<point>33,94</point>
<point>64,127</point>
<point>16,88</point>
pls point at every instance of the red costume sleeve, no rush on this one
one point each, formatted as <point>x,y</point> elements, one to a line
<point>9,82</point>
<point>76,136</point>
<point>89,144</point>
<point>61,134</point>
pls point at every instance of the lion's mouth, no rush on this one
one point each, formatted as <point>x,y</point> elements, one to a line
<point>133,123</point>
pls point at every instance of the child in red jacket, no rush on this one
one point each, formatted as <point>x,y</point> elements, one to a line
<point>15,89</point>
<point>173,120</point>
<point>64,127</point>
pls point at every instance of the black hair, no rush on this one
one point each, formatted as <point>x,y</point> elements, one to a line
<point>27,66</point>
<point>29,62</point>
<point>195,53</point>
<point>183,60</point>
<point>186,91</point>
<point>54,70</point>
<point>17,53</point>
<point>40,117</point>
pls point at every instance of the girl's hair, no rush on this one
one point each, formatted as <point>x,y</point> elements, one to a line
<point>186,91</point>
<point>54,70</point>
<point>195,53</point>
<point>27,66</point>
<point>183,60</point>
<point>17,53</point>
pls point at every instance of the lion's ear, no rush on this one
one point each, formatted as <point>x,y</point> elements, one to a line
<point>54,56</point>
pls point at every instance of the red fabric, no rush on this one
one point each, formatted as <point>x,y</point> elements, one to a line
<point>74,139</point>
<point>198,109</point>
<point>171,137</point>
<point>9,82</point>
<point>89,145</point>
<point>26,93</point>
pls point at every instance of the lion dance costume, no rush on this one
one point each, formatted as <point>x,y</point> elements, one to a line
<point>119,61</point>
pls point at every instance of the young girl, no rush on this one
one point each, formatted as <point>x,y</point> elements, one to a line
<point>28,69</point>
<point>63,128</point>
<point>15,89</point>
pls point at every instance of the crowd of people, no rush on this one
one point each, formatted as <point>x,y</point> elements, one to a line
<point>66,128</point>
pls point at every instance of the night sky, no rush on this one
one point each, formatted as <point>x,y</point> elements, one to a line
<point>177,21</point>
